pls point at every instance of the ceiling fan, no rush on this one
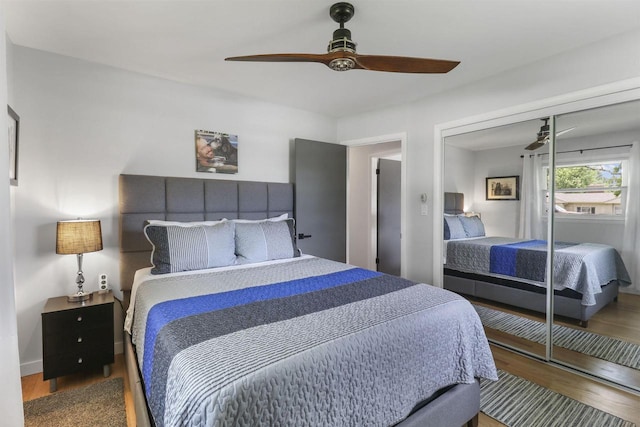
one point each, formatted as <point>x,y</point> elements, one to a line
<point>341,54</point>
<point>543,136</point>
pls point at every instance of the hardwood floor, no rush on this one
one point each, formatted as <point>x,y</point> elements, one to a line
<point>621,320</point>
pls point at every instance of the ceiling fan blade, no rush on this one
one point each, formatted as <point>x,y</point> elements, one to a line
<point>284,57</point>
<point>534,145</point>
<point>404,64</point>
<point>562,132</point>
<point>541,142</point>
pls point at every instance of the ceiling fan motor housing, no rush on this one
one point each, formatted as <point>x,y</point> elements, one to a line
<point>341,42</point>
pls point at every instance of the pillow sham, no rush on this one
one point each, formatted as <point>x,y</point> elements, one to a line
<point>273,219</point>
<point>184,248</point>
<point>265,241</point>
<point>183,223</point>
<point>453,228</point>
<point>473,226</point>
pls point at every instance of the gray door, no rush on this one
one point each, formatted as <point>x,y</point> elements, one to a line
<point>321,198</point>
<point>389,218</point>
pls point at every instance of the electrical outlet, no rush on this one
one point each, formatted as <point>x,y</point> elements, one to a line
<point>103,282</point>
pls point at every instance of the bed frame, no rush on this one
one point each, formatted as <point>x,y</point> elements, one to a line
<point>518,294</point>
<point>144,197</point>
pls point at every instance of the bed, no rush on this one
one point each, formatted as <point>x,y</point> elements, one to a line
<point>287,340</point>
<point>587,276</point>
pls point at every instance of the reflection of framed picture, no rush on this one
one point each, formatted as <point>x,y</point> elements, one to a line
<point>503,188</point>
<point>14,133</point>
<point>216,152</point>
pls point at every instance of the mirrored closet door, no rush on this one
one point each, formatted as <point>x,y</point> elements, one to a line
<point>595,236</point>
<point>484,258</point>
<point>551,202</point>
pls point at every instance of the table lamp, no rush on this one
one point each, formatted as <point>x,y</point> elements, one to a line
<point>77,237</point>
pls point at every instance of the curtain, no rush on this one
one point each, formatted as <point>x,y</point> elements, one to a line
<point>530,226</point>
<point>630,245</point>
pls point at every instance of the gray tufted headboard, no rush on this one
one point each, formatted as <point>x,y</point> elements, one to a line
<point>454,203</point>
<point>144,197</point>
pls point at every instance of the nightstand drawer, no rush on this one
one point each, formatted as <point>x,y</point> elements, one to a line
<point>77,340</point>
<point>78,319</point>
<point>69,363</point>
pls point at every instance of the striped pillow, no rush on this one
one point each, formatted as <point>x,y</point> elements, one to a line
<point>265,240</point>
<point>183,248</point>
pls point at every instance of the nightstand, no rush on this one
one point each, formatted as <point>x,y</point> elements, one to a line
<point>77,336</point>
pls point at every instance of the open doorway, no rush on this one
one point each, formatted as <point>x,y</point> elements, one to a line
<point>363,244</point>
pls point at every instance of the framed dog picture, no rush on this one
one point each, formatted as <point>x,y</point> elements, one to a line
<point>216,152</point>
<point>503,188</point>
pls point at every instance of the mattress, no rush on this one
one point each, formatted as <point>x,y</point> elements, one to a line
<point>581,267</point>
<point>303,341</point>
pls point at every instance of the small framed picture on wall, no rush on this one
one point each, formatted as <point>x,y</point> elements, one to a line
<point>14,133</point>
<point>216,152</point>
<point>503,188</point>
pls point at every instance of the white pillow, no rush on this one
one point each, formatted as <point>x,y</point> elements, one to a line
<point>273,219</point>
<point>162,223</point>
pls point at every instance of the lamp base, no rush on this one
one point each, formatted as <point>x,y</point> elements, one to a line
<point>79,297</point>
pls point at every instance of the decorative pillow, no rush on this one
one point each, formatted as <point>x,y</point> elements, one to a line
<point>453,228</point>
<point>183,224</point>
<point>265,240</point>
<point>183,248</point>
<point>273,219</point>
<point>473,226</point>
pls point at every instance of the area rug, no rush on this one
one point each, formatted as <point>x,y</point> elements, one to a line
<point>595,345</point>
<point>517,402</point>
<point>100,404</point>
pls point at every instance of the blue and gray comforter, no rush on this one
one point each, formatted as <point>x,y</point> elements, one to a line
<point>303,342</point>
<point>583,267</point>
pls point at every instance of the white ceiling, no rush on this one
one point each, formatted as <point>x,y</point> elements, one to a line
<point>187,41</point>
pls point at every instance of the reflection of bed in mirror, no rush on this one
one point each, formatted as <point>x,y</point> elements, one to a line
<point>288,341</point>
<point>512,271</point>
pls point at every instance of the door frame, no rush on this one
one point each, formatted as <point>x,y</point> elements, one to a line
<point>402,137</point>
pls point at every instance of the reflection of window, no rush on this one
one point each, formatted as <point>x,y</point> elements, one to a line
<point>586,209</point>
<point>594,188</point>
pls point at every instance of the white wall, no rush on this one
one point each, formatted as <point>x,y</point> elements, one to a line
<point>10,392</point>
<point>459,174</point>
<point>83,124</point>
<point>604,62</point>
<point>500,217</point>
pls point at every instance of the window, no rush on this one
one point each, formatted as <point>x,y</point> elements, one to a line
<point>586,209</point>
<point>589,189</point>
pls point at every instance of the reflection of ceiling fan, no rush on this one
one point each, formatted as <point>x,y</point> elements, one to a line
<point>342,56</point>
<point>543,136</point>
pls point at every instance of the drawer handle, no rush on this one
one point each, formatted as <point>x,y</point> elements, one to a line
<point>79,339</point>
<point>79,318</point>
<point>80,360</point>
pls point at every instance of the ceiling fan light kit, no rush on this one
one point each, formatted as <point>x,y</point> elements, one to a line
<point>341,53</point>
